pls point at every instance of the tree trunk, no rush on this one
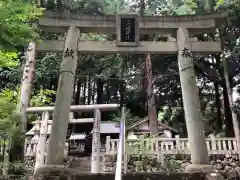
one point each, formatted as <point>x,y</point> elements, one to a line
<point>42,3</point>
<point>143,82</point>
<point>108,92</point>
<point>59,5</point>
<point>219,122</point>
<point>84,91</point>
<point>229,92</point>
<point>93,91</point>
<point>229,132</point>
<point>78,92</point>
<point>152,113</point>
<point>191,102</point>
<point>56,145</point>
<point>100,84</point>
<point>89,90</point>
<point>74,91</point>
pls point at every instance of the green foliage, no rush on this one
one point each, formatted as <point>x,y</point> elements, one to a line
<point>17,169</point>
<point>8,59</point>
<point>129,118</point>
<point>43,97</point>
<point>167,164</point>
<point>15,16</point>
<point>9,120</point>
<point>171,165</point>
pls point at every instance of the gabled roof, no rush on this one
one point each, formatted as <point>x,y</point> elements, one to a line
<point>160,124</point>
<point>137,123</point>
<point>109,127</point>
<point>36,127</point>
<point>73,121</point>
<point>77,136</point>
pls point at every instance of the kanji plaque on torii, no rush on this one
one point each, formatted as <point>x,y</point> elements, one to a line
<point>127,30</point>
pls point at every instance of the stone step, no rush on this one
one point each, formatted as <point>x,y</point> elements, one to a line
<point>81,163</point>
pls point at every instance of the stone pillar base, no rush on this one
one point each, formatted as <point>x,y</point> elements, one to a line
<point>211,174</point>
<point>54,171</point>
<point>199,168</point>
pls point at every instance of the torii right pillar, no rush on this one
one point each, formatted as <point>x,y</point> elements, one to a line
<point>191,103</point>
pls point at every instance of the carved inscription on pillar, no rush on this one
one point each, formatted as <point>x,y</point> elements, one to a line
<point>186,52</point>
<point>68,53</point>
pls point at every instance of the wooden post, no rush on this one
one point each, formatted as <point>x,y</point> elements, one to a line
<point>26,86</point>
<point>36,131</point>
<point>6,158</point>
<point>95,165</point>
<point>108,145</point>
<point>56,145</point>
<point>41,147</point>
<point>178,143</point>
<point>213,142</point>
<point>71,116</point>
<point>191,102</point>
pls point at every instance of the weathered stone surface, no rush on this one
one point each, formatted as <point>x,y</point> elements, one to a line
<point>214,176</point>
<point>57,139</point>
<point>204,168</point>
<point>137,164</point>
<point>191,102</point>
<point>59,21</point>
<point>26,85</point>
<point>128,176</point>
<point>169,47</point>
<point>156,167</point>
<point>77,16</point>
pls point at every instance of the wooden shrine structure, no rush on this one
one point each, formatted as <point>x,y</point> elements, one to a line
<point>180,33</point>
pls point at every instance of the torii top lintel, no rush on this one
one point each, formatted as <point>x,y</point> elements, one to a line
<point>60,21</point>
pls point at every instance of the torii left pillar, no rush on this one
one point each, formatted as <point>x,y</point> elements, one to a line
<point>26,85</point>
<point>25,89</point>
<point>56,145</point>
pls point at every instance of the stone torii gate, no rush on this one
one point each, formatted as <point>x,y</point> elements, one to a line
<point>128,28</point>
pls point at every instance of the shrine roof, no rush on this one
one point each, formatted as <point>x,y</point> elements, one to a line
<point>160,125</point>
<point>109,128</point>
<point>36,128</point>
<point>77,136</point>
